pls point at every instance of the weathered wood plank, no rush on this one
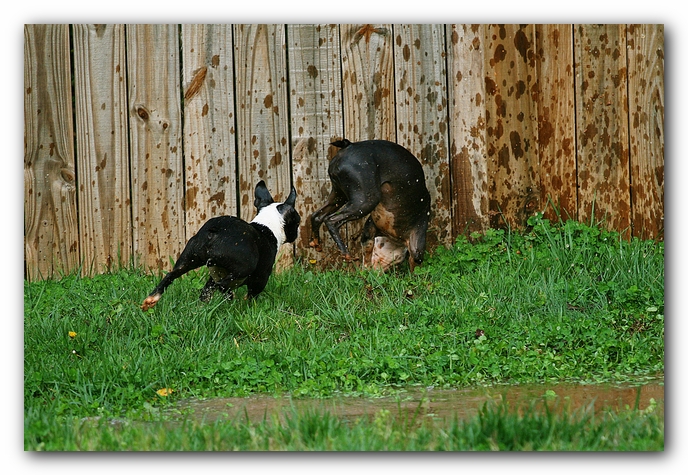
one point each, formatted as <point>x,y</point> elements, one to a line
<point>602,126</point>
<point>465,65</point>
<point>316,120</point>
<point>368,82</point>
<point>262,117</point>
<point>51,241</point>
<point>511,124</point>
<point>209,124</point>
<point>646,110</point>
<point>102,147</point>
<point>421,107</point>
<point>368,95</point>
<point>156,140</point>
<point>556,121</point>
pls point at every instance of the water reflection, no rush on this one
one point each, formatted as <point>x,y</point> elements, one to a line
<point>438,404</point>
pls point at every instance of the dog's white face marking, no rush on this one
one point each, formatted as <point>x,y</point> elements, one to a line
<point>271,218</point>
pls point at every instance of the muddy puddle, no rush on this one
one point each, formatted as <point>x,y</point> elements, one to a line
<point>437,404</point>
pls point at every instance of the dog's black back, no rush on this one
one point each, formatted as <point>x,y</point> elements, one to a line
<point>236,252</point>
<point>370,163</point>
<point>233,250</point>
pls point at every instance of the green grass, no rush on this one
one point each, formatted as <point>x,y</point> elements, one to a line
<point>564,302</point>
<point>494,428</point>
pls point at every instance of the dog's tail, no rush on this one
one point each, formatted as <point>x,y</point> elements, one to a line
<point>341,143</point>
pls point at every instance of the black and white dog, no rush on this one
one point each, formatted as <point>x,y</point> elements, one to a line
<point>236,252</point>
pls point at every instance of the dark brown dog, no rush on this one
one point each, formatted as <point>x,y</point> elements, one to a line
<point>385,180</point>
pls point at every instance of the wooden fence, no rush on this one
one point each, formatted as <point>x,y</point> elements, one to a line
<point>137,134</point>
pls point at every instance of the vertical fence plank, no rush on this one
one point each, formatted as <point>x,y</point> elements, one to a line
<point>51,242</point>
<point>156,155</point>
<point>602,125</point>
<point>316,119</point>
<point>511,118</point>
<point>209,124</point>
<point>421,100</point>
<point>101,145</point>
<point>465,65</point>
<point>556,120</point>
<point>368,95</point>
<point>368,82</point>
<point>262,128</point>
<point>262,116</point>
<point>646,111</point>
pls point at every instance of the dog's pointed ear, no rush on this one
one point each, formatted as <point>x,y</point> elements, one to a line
<point>263,196</point>
<point>291,199</point>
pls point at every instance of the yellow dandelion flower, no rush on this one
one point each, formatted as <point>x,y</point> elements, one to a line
<point>72,334</point>
<point>164,391</point>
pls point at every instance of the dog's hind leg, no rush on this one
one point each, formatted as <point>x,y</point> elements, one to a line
<point>157,292</point>
<point>334,202</point>
<point>357,207</point>
<point>192,257</point>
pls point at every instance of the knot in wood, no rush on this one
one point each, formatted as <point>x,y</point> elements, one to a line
<point>142,112</point>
